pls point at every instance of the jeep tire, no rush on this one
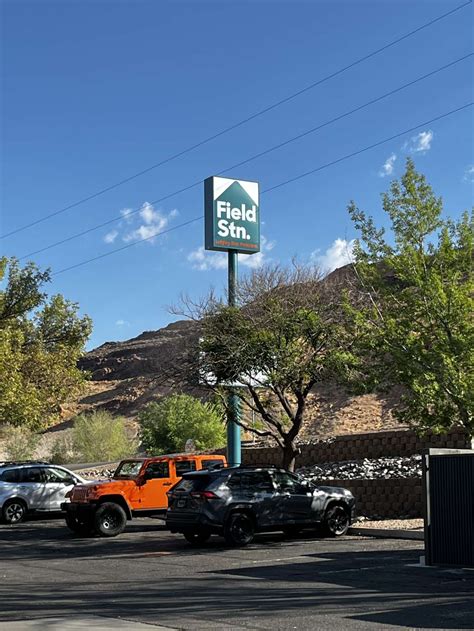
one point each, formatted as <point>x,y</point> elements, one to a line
<point>80,527</point>
<point>110,519</point>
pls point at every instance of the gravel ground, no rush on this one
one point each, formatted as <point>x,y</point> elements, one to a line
<point>393,524</point>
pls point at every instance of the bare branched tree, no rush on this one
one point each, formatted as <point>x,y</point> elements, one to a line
<point>285,335</point>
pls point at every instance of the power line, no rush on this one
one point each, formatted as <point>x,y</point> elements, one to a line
<point>129,245</point>
<point>239,123</point>
<point>272,188</point>
<point>253,157</point>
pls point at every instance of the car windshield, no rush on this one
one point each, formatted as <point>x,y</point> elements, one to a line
<point>128,469</point>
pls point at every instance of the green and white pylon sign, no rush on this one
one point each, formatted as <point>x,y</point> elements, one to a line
<point>232,224</point>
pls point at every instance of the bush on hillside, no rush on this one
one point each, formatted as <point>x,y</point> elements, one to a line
<point>167,425</point>
<point>62,451</point>
<point>20,442</point>
<point>101,437</point>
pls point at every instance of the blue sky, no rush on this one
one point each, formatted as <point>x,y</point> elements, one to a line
<point>94,92</point>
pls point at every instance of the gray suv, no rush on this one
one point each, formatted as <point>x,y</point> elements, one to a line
<point>237,502</point>
<point>31,487</point>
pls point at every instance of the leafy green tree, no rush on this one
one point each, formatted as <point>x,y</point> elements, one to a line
<point>166,425</point>
<point>41,340</point>
<point>417,326</point>
<point>100,437</point>
<point>286,334</point>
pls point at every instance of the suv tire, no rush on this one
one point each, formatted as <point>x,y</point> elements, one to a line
<point>83,528</point>
<point>239,529</point>
<point>336,521</point>
<point>110,519</point>
<point>197,538</point>
<point>13,511</point>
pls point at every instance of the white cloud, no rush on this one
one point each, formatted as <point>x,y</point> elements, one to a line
<point>150,223</point>
<point>340,253</point>
<point>388,167</point>
<point>153,223</point>
<point>254,261</point>
<point>111,236</point>
<point>421,143</point>
<point>204,260</point>
<point>122,323</point>
<point>469,173</point>
<point>127,214</point>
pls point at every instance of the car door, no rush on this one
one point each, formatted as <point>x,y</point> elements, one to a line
<point>256,489</point>
<point>32,488</point>
<point>157,481</point>
<point>57,483</point>
<point>294,499</point>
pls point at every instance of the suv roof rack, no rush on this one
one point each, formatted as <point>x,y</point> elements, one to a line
<point>259,466</point>
<point>12,463</point>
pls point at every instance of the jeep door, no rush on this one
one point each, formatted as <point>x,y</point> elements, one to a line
<point>157,481</point>
<point>294,499</point>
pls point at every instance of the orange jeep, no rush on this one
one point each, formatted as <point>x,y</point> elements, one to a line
<point>137,488</point>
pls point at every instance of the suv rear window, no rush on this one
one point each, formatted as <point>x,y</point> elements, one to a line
<point>251,481</point>
<point>32,474</point>
<point>194,483</point>
<point>10,475</point>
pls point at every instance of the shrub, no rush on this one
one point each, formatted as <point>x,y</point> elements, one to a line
<point>100,437</point>
<point>62,450</point>
<point>20,442</point>
<point>165,426</point>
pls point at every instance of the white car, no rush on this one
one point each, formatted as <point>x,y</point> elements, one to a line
<point>33,487</point>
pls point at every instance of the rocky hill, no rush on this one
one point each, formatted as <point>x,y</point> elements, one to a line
<point>136,371</point>
<point>127,375</point>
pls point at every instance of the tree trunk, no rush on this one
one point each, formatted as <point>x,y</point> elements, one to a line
<point>289,456</point>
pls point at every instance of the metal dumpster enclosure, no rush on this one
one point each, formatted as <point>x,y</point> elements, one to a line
<point>448,480</point>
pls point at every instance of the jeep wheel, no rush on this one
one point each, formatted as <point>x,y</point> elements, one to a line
<point>336,521</point>
<point>197,538</point>
<point>13,511</point>
<point>82,528</point>
<point>110,519</point>
<point>239,529</point>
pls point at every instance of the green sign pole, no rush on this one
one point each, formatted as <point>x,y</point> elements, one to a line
<point>234,457</point>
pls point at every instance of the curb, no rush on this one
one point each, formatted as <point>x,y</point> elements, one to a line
<point>387,533</point>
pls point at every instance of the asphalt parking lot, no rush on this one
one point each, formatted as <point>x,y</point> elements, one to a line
<point>50,579</point>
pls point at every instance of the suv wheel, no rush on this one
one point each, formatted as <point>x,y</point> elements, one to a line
<point>239,529</point>
<point>197,538</point>
<point>13,511</point>
<point>110,519</point>
<point>336,521</point>
<point>79,527</point>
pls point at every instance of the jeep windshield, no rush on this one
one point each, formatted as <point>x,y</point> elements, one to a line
<point>128,469</point>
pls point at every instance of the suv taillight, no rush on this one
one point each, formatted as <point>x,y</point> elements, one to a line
<point>204,495</point>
